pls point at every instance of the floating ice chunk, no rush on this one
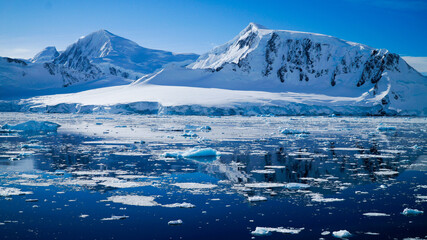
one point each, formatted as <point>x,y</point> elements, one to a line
<point>264,185</point>
<point>421,198</point>
<point>412,212</point>
<point>131,154</point>
<point>373,156</point>
<point>324,233</point>
<point>10,191</point>
<point>372,233</point>
<point>175,222</point>
<point>296,186</point>
<point>275,167</point>
<point>341,234</point>
<point>257,199</point>
<point>261,231</point>
<point>288,131</point>
<point>83,216</point>
<point>386,172</point>
<point>192,185</point>
<point>193,153</point>
<point>265,231</point>
<point>91,172</point>
<point>179,205</point>
<point>263,171</point>
<point>144,201</point>
<point>375,214</point>
<point>316,197</point>
<point>383,128</point>
<point>189,134</point>
<point>24,175</point>
<point>115,218</point>
<point>33,126</point>
<point>117,183</point>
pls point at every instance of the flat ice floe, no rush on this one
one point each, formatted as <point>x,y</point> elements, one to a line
<point>10,191</point>
<point>386,172</point>
<point>113,217</point>
<point>296,186</point>
<point>257,199</point>
<point>264,231</point>
<point>317,197</point>
<point>179,205</point>
<point>375,214</point>
<point>264,185</point>
<point>144,201</point>
<point>193,185</point>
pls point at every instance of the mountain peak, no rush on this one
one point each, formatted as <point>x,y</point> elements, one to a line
<point>253,25</point>
<point>46,55</point>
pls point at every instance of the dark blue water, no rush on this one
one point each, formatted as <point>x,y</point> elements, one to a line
<point>335,165</point>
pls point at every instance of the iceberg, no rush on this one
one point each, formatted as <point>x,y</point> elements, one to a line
<point>296,186</point>
<point>341,234</point>
<point>175,222</point>
<point>193,153</point>
<point>265,231</point>
<point>6,191</point>
<point>115,218</point>
<point>33,126</point>
<point>412,212</point>
<point>288,131</point>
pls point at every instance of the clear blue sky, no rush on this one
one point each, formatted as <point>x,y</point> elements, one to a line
<point>26,27</point>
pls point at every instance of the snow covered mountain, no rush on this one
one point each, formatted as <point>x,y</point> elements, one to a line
<point>46,55</point>
<point>99,59</point>
<point>260,71</point>
<point>116,56</point>
<point>260,59</point>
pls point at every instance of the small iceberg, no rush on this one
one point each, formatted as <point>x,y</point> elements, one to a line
<point>288,131</point>
<point>296,186</point>
<point>412,212</point>
<point>33,127</point>
<point>10,191</point>
<point>265,231</point>
<point>115,218</point>
<point>341,234</point>
<point>383,128</point>
<point>375,214</point>
<point>193,153</point>
<point>257,199</point>
<point>175,222</point>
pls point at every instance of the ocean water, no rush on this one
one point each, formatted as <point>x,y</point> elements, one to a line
<point>107,177</point>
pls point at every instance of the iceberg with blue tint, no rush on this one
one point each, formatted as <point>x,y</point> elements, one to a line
<point>33,126</point>
<point>193,153</point>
